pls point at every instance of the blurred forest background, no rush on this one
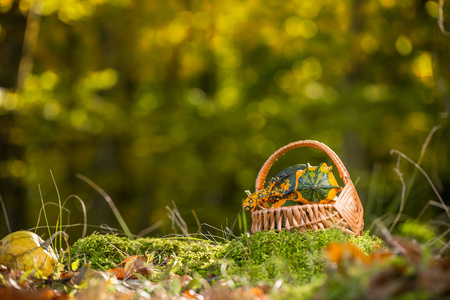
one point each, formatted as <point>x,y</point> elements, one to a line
<point>162,102</point>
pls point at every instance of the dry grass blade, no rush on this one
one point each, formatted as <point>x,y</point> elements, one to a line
<point>110,203</point>
<point>196,219</point>
<point>84,212</point>
<point>427,178</point>
<point>176,218</point>
<point>403,196</point>
<point>152,228</point>
<point>6,215</point>
<point>108,229</point>
<point>58,224</point>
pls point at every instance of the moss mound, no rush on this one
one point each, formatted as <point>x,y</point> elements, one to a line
<point>291,256</point>
<point>262,257</point>
<point>186,254</point>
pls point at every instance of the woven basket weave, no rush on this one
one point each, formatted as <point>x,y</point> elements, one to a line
<point>346,213</point>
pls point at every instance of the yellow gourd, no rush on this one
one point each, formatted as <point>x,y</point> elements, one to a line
<point>25,250</point>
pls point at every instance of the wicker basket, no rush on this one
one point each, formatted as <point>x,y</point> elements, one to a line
<point>346,213</point>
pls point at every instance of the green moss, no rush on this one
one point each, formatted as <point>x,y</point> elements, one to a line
<point>293,257</point>
<point>102,251</point>
<point>262,257</point>
<point>106,251</point>
<point>422,232</point>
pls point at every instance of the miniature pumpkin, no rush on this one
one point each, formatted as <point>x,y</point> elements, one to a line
<point>298,184</point>
<point>317,184</point>
<point>278,188</point>
<point>25,250</point>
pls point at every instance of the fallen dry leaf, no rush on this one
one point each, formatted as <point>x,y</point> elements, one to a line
<point>346,253</point>
<point>11,293</point>
<point>136,264</point>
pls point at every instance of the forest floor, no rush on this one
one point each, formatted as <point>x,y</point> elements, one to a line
<point>323,264</point>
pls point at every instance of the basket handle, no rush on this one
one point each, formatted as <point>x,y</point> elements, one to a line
<point>345,176</point>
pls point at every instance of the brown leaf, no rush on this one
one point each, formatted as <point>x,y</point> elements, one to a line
<point>117,272</point>
<point>130,266</point>
<point>348,253</point>
<point>11,293</point>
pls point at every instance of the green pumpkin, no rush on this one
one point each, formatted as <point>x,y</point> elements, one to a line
<point>317,184</point>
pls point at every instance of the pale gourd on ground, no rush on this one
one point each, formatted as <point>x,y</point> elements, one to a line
<point>25,250</point>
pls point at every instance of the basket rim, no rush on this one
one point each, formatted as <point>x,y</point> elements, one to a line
<point>260,179</point>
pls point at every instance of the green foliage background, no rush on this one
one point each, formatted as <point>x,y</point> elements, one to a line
<point>161,101</point>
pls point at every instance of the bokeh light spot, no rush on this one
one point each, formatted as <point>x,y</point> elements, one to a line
<point>227,97</point>
<point>308,28</point>
<point>51,110</point>
<point>48,80</point>
<point>78,118</point>
<point>422,65</point>
<point>312,68</point>
<point>375,92</point>
<point>388,3</point>
<point>177,32</point>
<point>107,78</point>
<point>196,96</point>
<point>417,121</point>
<point>369,44</point>
<point>292,26</point>
<point>295,27</point>
<point>17,168</point>
<point>309,8</point>
<point>403,45</point>
<point>5,5</point>
<point>146,103</point>
<point>314,90</point>
<point>432,8</point>
<point>9,101</point>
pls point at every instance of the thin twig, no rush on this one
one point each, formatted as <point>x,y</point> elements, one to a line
<point>84,212</point>
<point>440,19</point>
<point>110,203</point>
<point>45,213</point>
<point>426,176</point>
<point>390,239</point>
<point>402,199</point>
<point>147,230</point>
<point>438,238</point>
<point>427,141</point>
<point>174,214</point>
<point>59,219</point>
<point>196,218</point>
<point>43,209</point>
<point>5,213</point>
<point>108,228</point>
<point>421,156</point>
<point>115,247</point>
